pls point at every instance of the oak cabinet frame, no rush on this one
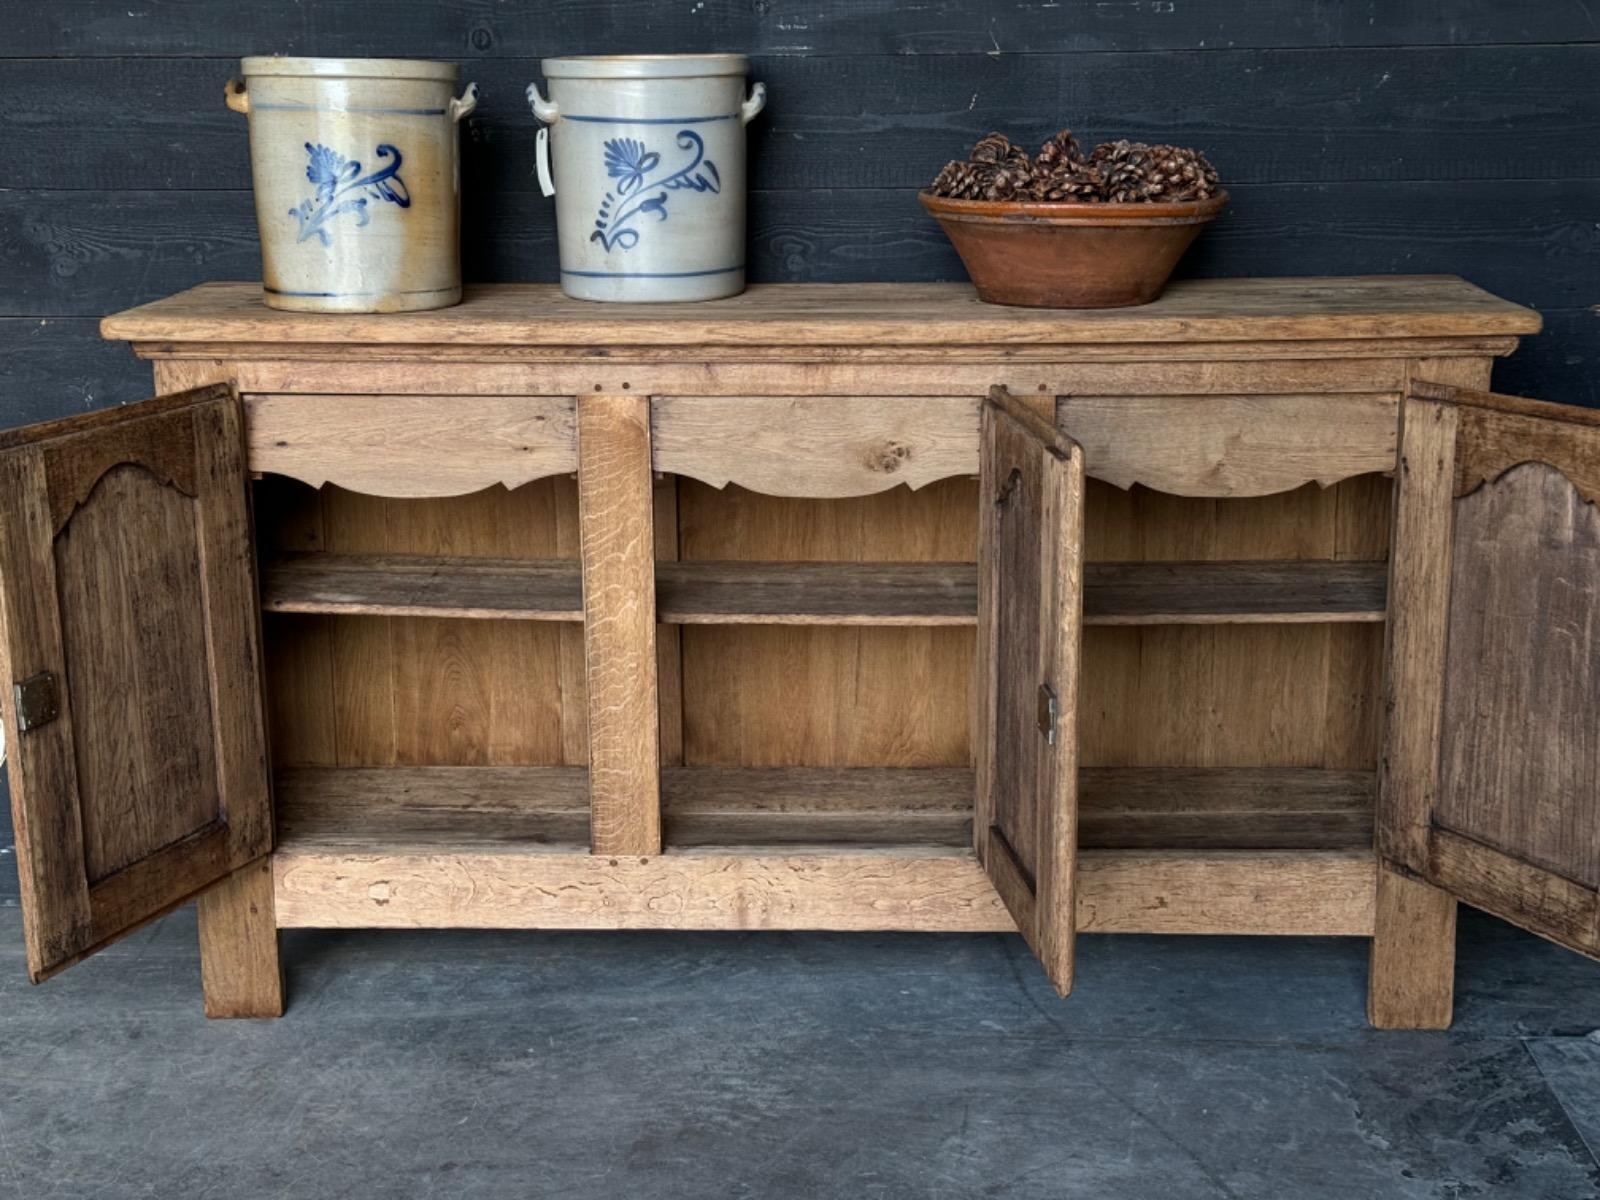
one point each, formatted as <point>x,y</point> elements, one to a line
<point>761,645</point>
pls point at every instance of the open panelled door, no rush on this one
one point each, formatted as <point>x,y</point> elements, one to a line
<point>1491,765</point>
<point>1030,618</point>
<point>130,666</point>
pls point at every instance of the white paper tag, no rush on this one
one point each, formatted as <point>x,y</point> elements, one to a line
<point>541,160</point>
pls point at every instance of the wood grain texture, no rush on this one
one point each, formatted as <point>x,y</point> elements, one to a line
<point>857,28</point>
<point>856,314</point>
<point>1235,694</point>
<point>424,585</point>
<point>540,809</point>
<point>240,971</point>
<point>374,690</point>
<point>1519,745</point>
<point>1334,367</point>
<point>1414,653</point>
<point>1534,897</point>
<point>412,446</point>
<point>132,614</point>
<point>898,111</point>
<point>1131,891</point>
<point>1411,974</point>
<point>1230,445</point>
<point>1030,630</point>
<point>820,446</point>
<point>1493,442</point>
<point>768,696</point>
<point>89,253</point>
<point>809,593</point>
<point>152,782</point>
<point>616,523</point>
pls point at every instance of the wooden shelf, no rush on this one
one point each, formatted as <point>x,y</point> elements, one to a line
<point>386,808</point>
<point>1120,808</point>
<point>1215,593</point>
<point>1181,851</point>
<point>811,593</point>
<point>418,585</point>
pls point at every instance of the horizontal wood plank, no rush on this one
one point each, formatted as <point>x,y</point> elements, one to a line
<point>503,848</point>
<point>815,593</point>
<point>1231,445</point>
<point>424,585</point>
<point>458,809</point>
<point>891,121</point>
<point>493,29</point>
<point>82,253</point>
<point>819,446</point>
<point>412,446</point>
<point>1261,309</point>
<point>1317,892</point>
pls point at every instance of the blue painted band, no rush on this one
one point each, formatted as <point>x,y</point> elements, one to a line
<point>272,291</point>
<point>651,274</point>
<point>648,120</point>
<point>389,112</point>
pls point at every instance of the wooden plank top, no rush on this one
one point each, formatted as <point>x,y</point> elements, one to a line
<point>870,314</point>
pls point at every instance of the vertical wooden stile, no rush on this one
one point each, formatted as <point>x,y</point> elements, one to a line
<point>241,974</point>
<point>1419,601</point>
<point>617,546</point>
<point>1411,976</point>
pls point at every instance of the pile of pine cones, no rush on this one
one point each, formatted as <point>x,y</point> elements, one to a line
<point>1112,173</point>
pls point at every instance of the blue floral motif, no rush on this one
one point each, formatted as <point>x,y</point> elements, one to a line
<point>342,188</point>
<point>630,163</point>
<point>627,160</point>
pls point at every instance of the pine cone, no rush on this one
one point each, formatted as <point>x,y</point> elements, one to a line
<point>965,180</point>
<point>1000,150</point>
<point>1182,174</point>
<point>1121,172</point>
<point>1077,182</point>
<point>1059,150</point>
<point>1163,174</point>
<point>1009,182</point>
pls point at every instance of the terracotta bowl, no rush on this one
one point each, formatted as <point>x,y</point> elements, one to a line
<point>1046,254</point>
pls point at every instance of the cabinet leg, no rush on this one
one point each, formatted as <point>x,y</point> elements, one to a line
<point>1411,984</point>
<point>239,966</point>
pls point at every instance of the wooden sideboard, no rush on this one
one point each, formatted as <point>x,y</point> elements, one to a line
<point>827,607</point>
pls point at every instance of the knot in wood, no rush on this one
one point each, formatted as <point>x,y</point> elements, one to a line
<point>887,458</point>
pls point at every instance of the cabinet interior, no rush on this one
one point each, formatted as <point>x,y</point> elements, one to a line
<point>426,682</point>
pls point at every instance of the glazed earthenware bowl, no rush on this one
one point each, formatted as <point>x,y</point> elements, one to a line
<point>1039,254</point>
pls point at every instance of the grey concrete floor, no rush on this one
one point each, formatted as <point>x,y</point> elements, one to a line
<point>777,1065</point>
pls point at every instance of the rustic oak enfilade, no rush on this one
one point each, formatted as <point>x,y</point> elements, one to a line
<point>587,616</point>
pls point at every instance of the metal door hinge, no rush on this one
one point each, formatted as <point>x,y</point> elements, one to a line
<point>38,701</point>
<point>1047,713</point>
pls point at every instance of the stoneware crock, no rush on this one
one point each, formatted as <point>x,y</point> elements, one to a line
<point>1064,255</point>
<point>357,181</point>
<point>647,154</point>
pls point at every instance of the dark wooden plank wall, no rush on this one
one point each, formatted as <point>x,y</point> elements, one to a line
<point>1357,137</point>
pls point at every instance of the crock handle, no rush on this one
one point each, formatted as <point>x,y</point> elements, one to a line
<point>757,101</point>
<point>238,99</point>
<point>463,107</point>
<point>545,110</point>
